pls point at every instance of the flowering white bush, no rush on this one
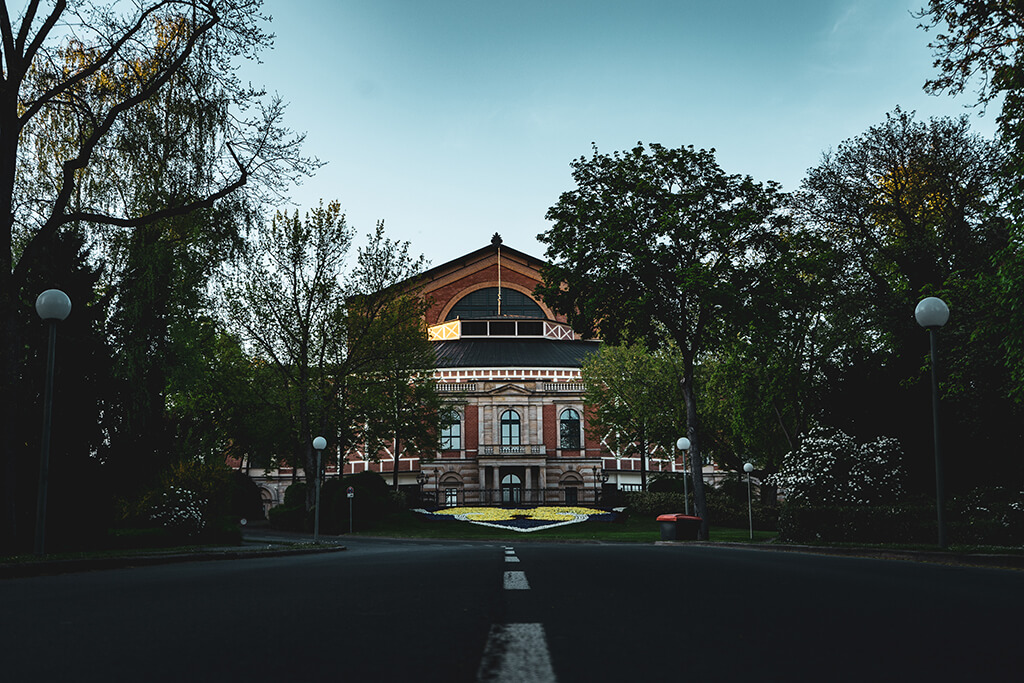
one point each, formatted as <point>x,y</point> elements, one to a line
<point>180,510</point>
<point>830,468</point>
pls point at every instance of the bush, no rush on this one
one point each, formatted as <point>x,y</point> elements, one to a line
<point>913,523</point>
<point>987,516</point>
<point>292,515</point>
<point>653,503</point>
<point>830,469</point>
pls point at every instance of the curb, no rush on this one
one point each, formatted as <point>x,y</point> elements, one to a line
<point>52,567</point>
<point>934,557</point>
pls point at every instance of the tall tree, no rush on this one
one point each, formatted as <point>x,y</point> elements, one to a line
<point>660,239</point>
<point>329,334</point>
<point>913,208</point>
<point>72,78</point>
<point>981,44</point>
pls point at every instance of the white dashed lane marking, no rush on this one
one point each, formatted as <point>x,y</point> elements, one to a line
<point>516,581</point>
<point>516,653</point>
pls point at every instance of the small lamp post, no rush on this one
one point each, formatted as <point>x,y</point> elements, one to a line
<point>600,477</point>
<point>421,479</point>
<point>319,444</point>
<point>683,444</point>
<point>932,313</point>
<point>748,468</point>
<point>52,305</point>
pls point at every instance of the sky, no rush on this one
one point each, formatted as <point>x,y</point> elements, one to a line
<point>455,119</point>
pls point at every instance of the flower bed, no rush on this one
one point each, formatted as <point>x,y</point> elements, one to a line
<point>520,519</point>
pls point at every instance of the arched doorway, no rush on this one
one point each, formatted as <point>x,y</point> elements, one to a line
<point>511,489</point>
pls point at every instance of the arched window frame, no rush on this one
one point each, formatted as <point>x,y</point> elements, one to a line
<point>569,428</point>
<point>510,425</point>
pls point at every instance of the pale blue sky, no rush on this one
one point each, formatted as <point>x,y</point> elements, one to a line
<point>455,119</point>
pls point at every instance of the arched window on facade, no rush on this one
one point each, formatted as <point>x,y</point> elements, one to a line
<point>451,435</point>
<point>569,430</point>
<point>483,303</point>
<point>510,428</point>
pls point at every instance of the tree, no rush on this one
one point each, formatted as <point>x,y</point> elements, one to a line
<point>74,81</point>
<point>330,339</point>
<point>913,208</point>
<point>764,386</point>
<point>631,392</point>
<point>660,239</point>
<point>982,44</point>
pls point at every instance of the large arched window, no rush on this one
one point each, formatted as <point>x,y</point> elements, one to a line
<point>483,303</point>
<point>569,429</point>
<point>510,428</point>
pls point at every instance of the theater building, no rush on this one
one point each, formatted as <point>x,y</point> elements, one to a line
<point>511,368</point>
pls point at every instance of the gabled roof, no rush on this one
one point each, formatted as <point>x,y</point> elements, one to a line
<point>512,353</point>
<point>475,256</point>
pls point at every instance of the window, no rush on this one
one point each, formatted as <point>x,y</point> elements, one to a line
<point>510,428</point>
<point>484,302</point>
<point>451,497</point>
<point>451,437</point>
<point>569,430</point>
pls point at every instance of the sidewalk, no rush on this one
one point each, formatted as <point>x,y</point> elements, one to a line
<point>261,543</point>
<point>995,561</point>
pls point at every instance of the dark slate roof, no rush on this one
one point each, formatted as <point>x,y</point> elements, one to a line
<point>512,353</point>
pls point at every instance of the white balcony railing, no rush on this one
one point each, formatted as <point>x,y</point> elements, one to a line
<point>523,449</point>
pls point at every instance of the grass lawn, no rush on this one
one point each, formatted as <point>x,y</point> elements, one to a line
<point>631,530</point>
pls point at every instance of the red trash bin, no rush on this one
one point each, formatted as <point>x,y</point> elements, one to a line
<point>679,527</point>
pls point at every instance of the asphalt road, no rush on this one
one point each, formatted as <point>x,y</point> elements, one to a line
<point>466,611</point>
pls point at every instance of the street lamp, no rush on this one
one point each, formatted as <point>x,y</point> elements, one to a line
<point>600,478</point>
<point>931,314</point>
<point>421,479</point>
<point>748,468</point>
<point>319,444</point>
<point>683,444</point>
<point>52,305</point>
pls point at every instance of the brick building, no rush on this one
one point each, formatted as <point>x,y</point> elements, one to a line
<point>511,368</point>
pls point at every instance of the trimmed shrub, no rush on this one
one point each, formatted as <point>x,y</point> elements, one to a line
<point>857,524</point>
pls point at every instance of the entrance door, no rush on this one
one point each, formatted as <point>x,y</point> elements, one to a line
<point>511,489</point>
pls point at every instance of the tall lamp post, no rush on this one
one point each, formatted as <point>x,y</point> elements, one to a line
<point>52,306</point>
<point>319,444</point>
<point>932,313</point>
<point>683,444</point>
<point>748,468</point>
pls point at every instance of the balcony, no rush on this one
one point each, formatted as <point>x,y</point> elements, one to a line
<point>522,449</point>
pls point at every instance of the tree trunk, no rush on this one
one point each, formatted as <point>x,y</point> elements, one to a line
<point>696,460</point>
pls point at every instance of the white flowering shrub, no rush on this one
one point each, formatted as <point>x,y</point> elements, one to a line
<point>180,511</point>
<point>831,469</point>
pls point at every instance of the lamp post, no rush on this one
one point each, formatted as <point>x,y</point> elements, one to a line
<point>421,479</point>
<point>932,313</point>
<point>319,444</point>
<point>748,468</point>
<point>52,305</point>
<point>600,477</point>
<point>683,444</point>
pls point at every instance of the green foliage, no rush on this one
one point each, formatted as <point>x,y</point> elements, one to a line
<point>857,524</point>
<point>657,243</point>
<point>988,516</point>
<point>831,469</point>
<point>635,396</point>
<point>727,506</point>
<point>296,494</point>
<point>650,504</point>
